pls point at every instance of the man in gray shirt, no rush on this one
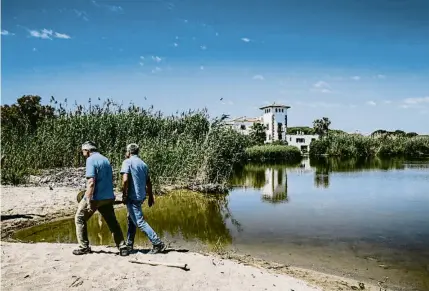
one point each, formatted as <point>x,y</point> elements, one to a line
<point>136,185</point>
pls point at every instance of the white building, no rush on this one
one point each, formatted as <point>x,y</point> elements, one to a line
<point>274,118</point>
<point>243,124</point>
<point>301,140</point>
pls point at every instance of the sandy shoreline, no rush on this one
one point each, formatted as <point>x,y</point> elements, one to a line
<point>24,264</point>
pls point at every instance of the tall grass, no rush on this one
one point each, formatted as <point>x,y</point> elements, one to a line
<point>273,153</point>
<point>345,145</point>
<point>182,148</point>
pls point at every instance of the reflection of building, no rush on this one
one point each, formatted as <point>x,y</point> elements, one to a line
<point>275,188</point>
<point>274,118</point>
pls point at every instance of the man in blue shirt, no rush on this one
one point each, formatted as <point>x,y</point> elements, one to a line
<point>98,196</point>
<point>135,185</point>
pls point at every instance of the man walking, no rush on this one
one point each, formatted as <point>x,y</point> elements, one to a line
<point>98,196</point>
<point>136,184</point>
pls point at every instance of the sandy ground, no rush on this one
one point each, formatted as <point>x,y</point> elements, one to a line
<point>24,206</point>
<point>41,266</point>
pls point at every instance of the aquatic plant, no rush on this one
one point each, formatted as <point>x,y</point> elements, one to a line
<point>186,147</point>
<point>273,153</point>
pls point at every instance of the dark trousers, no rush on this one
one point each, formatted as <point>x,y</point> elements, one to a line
<point>83,214</point>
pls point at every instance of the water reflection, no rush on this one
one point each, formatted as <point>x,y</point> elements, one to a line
<point>188,215</point>
<point>271,180</point>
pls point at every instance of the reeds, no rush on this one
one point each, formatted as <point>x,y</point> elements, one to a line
<point>183,148</point>
<point>351,145</point>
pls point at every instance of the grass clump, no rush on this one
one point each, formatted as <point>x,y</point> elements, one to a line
<point>264,153</point>
<point>353,145</point>
<point>185,148</point>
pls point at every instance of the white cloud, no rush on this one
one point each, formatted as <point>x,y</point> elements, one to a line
<point>112,8</point>
<point>318,104</point>
<point>141,64</point>
<point>356,78</point>
<point>371,103</point>
<point>201,67</point>
<point>81,14</point>
<point>322,86</point>
<point>115,8</point>
<point>62,35</point>
<point>142,57</point>
<point>48,34</point>
<point>43,34</point>
<point>258,77</point>
<point>156,59</point>
<point>176,44</point>
<point>203,47</point>
<point>177,37</point>
<point>387,102</point>
<point>34,49</point>
<point>5,32</point>
<point>157,69</point>
<point>381,76</point>
<point>417,100</point>
<point>217,34</point>
<point>245,39</point>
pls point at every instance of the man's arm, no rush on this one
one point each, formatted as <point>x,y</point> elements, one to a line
<point>90,180</point>
<point>90,186</point>
<point>149,192</point>
<point>125,171</point>
<point>124,186</point>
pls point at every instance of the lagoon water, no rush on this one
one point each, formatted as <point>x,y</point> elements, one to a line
<point>366,219</point>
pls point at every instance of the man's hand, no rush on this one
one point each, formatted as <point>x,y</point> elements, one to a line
<point>151,201</point>
<point>124,198</point>
<point>91,205</point>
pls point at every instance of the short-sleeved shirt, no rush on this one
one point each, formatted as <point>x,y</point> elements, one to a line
<point>98,167</point>
<point>138,172</point>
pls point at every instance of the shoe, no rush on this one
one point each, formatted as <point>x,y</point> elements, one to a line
<point>130,248</point>
<point>159,248</point>
<point>124,251</point>
<point>82,251</point>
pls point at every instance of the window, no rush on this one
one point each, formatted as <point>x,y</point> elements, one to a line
<point>313,139</point>
<point>243,127</point>
<point>300,140</point>
<point>290,139</point>
<point>269,137</point>
<point>267,126</point>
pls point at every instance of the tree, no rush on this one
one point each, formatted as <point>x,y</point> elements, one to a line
<point>412,134</point>
<point>321,126</point>
<point>26,113</point>
<point>257,133</point>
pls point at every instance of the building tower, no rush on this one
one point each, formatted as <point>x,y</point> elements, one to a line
<point>275,120</point>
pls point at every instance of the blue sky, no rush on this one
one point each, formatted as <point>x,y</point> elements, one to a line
<point>364,64</point>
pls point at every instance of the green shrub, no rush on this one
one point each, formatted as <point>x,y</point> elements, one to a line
<point>273,153</point>
<point>353,145</point>
<point>184,148</point>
